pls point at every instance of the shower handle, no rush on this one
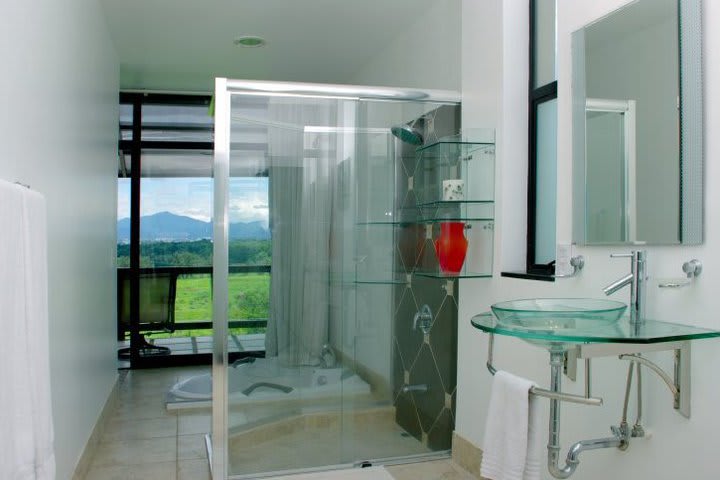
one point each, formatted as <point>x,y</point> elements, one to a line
<point>424,319</point>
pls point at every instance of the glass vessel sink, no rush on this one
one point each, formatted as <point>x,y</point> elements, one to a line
<point>543,321</point>
<point>558,313</point>
<point>558,324</point>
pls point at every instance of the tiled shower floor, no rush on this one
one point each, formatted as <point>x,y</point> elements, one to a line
<point>144,440</point>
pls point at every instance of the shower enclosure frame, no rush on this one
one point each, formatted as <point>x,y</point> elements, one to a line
<point>217,443</point>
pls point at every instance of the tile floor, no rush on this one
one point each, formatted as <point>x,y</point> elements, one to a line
<point>144,440</point>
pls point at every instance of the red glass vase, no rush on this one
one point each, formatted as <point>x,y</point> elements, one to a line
<point>451,247</point>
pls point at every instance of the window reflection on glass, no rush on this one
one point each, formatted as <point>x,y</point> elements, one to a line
<point>177,123</point>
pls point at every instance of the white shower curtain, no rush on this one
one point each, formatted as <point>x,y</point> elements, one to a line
<point>26,443</point>
<point>301,170</point>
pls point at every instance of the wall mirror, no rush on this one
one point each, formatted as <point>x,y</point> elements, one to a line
<point>637,126</point>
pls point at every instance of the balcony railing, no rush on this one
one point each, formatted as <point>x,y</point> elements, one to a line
<point>184,298</point>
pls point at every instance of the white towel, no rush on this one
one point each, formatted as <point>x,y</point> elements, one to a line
<point>26,445</point>
<point>511,449</point>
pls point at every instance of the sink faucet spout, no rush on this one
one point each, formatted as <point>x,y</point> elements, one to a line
<point>618,284</point>
<point>636,280</point>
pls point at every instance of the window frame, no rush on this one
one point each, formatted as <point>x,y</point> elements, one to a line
<point>536,97</point>
<point>134,147</point>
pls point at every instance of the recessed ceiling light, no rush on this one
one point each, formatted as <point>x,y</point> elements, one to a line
<point>249,41</point>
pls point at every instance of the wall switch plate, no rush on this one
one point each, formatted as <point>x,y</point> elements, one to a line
<point>562,259</point>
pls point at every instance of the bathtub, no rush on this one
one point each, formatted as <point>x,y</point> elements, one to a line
<point>264,380</point>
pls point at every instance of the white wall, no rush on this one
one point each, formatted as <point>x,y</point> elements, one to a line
<point>679,448</point>
<point>58,125</point>
<point>424,56</point>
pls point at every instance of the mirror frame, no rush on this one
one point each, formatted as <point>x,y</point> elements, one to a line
<point>691,154</point>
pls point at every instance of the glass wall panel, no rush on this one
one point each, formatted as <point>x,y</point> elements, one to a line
<point>123,227</point>
<point>177,123</point>
<point>171,261</point>
<point>126,118</point>
<point>176,250</point>
<point>318,193</point>
<point>285,213</point>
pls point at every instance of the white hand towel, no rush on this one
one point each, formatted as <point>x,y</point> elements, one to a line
<point>36,285</point>
<point>511,449</point>
<point>26,446</point>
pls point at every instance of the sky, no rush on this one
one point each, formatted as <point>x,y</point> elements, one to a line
<point>192,197</point>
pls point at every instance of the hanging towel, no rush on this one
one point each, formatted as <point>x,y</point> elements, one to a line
<point>511,449</point>
<point>26,444</point>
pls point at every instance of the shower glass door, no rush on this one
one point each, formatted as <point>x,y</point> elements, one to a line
<point>306,270</point>
<point>380,423</point>
<point>285,219</point>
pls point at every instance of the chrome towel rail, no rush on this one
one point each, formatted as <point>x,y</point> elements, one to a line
<point>692,269</point>
<point>541,392</point>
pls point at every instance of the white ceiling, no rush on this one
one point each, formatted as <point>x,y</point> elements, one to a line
<point>183,44</point>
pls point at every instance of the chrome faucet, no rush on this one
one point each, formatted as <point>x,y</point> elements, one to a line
<point>636,279</point>
<point>420,387</point>
<point>327,357</point>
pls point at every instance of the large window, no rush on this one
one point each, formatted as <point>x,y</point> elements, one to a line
<point>165,235</point>
<point>542,161</point>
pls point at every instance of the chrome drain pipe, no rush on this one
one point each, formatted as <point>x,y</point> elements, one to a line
<point>556,366</point>
<point>572,460</point>
<point>581,446</point>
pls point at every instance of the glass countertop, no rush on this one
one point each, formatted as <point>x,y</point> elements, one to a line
<point>652,331</point>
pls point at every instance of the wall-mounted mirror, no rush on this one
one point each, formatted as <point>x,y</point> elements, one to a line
<point>637,126</point>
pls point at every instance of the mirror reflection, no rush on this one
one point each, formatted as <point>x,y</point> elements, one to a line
<point>627,98</point>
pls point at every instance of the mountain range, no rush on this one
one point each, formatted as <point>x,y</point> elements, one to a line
<point>168,227</point>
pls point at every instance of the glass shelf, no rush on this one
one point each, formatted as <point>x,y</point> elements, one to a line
<point>453,211</point>
<point>456,158</point>
<point>388,222</point>
<point>380,281</point>
<point>454,147</point>
<point>652,331</point>
<point>449,203</point>
<point>450,276</point>
<point>428,221</point>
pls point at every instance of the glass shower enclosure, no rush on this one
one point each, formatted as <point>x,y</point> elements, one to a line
<point>317,167</point>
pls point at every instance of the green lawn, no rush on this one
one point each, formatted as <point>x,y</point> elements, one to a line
<point>249,300</point>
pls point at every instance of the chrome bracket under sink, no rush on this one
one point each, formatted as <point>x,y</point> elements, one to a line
<point>570,364</point>
<point>678,382</point>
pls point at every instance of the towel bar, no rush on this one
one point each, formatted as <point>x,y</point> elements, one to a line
<point>541,392</point>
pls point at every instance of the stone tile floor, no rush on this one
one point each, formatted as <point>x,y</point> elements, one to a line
<point>144,440</point>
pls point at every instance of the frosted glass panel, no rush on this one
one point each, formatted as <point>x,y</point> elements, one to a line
<point>546,182</point>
